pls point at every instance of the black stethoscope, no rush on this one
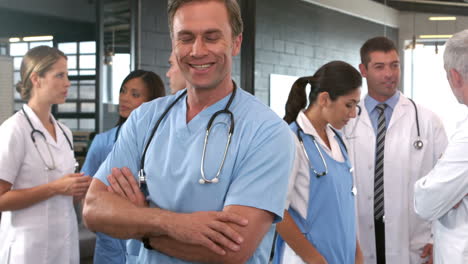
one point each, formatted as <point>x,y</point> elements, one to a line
<point>203,179</point>
<point>36,131</point>
<point>417,144</point>
<point>325,172</point>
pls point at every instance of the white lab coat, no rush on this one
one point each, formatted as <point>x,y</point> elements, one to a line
<point>405,232</point>
<point>438,192</point>
<point>46,232</point>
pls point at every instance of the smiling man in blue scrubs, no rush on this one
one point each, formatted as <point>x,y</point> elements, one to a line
<point>229,221</point>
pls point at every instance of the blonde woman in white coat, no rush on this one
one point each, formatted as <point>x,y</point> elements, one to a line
<point>37,182</point>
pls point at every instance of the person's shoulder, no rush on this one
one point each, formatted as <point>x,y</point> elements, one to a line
<point>14,123</point>
<point>425,114</point>
<point>106,134</point>
<point>428,115</point>
<point>254,109</point>
<point>255,117</point>
<point>155,106</point>
<point>64,127</point>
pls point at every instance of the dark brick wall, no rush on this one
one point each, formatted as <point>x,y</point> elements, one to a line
<point>292,38</point>
<point>296,38</point>
<point>16,23</point>
<point>155,43</point>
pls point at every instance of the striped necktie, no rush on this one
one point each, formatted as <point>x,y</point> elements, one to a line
<point>379,163</point>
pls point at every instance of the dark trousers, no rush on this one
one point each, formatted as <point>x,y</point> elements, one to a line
<point>380,240</point>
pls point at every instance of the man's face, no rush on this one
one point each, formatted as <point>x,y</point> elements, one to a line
<point>176,79</point>
<point>203,44</point>
<point>382,74</point>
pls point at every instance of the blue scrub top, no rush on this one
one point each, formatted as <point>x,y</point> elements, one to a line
<point>100,147</point>
<point>330,225</point>
<point>108,249</point>
<point>255,172</point>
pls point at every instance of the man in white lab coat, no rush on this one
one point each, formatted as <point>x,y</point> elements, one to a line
<point>389,230</point>
<point>440,195</point>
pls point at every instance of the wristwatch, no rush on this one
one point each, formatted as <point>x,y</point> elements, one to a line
<point>146,243</point>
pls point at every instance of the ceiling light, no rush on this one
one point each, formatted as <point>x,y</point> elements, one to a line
<point>448,18</point>
<point>14,39</point>
<point>38,38</point>
<point>435,36</point>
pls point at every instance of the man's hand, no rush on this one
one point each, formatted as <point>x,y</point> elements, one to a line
<point>123,183</point>
<point>208,229</point>
<point>427,253</point>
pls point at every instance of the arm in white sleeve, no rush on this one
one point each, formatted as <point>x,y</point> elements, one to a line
<point>447,184</point>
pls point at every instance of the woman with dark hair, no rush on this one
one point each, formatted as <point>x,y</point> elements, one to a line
<point>319,226</point>
<point>138,87</point>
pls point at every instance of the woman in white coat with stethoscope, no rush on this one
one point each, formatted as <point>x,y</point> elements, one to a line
<point>319,226</point>
<point>37,180</point>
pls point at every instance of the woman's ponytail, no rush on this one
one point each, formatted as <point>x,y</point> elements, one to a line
<point>297,99</point>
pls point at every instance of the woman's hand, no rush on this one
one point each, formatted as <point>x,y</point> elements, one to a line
<point>73,184</point>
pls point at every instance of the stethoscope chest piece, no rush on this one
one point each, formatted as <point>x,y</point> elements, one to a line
<point>418,144</point>
<point>354,190</point>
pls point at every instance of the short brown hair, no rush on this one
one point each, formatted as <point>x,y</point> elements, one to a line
<point>232,7</point>
<point>376,44</point>
<point>40,60</point>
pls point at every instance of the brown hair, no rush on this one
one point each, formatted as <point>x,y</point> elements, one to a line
<point>232,7</point>
<point>39,59</point>
<point>376,44</point>
<point>337,78</point>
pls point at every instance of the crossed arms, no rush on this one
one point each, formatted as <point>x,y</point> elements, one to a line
<point>229,236</point>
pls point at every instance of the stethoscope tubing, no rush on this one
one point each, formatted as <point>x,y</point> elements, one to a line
<point>417,144</point>
<point>34,130</point>
<point>203,179</point>
<point>141,172</point>
<point>325,172</point>
<point>301,141</point>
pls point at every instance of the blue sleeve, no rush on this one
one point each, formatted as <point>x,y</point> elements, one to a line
<point>263,173</point>
<point>126,150</point>
<point>94,157</point>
